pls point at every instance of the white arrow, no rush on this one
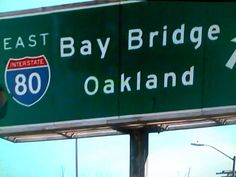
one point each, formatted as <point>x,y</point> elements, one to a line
<point>232,60</point>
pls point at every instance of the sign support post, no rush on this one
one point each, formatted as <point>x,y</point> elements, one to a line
<point>138,153</point>
<point>76,157</point>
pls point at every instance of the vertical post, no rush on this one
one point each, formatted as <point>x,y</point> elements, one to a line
<point>138,153</point>
<point>233,171</point>
<point>76,157</point>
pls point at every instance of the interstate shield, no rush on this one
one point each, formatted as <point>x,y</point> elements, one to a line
<point>27,79</point>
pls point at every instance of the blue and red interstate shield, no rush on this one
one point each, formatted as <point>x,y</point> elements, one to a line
<point>27,79</point>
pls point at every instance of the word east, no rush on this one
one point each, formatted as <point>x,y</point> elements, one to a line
<point>20,42</point>
<point>93,84</point>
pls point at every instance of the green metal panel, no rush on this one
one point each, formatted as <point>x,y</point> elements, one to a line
<point>135,58</point>
<point>219,81</point>
<point>162,57</point>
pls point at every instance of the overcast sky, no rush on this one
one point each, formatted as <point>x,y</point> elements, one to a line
<point>12,5</point>
<point>170,152</point>
<point>170,155</point>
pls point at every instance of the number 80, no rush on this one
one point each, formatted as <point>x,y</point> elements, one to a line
<point>23,85</point>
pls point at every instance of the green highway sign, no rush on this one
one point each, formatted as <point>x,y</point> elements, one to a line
<point>151,60</point>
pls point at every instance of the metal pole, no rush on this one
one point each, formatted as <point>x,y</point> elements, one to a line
<point>232,158</point>
<point>233,171</point>
<point>76,157</point>
<point>219,151</point>
<point>138,153</point>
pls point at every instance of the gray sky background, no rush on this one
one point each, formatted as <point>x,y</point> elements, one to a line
<point>170,155</point>
<point>12,5</point>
